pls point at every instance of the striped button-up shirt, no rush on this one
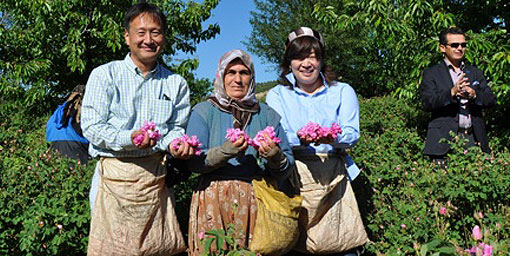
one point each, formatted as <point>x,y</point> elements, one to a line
<point>119,99</point>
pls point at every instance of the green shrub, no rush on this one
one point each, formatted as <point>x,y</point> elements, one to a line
<point>43,197</point>
<point>401,193</point>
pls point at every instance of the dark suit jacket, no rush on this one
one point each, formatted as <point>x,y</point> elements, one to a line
<point>435,92</point>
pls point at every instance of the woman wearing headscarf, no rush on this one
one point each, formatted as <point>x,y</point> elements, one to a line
<point>329,220</point>
<point>224,194</point>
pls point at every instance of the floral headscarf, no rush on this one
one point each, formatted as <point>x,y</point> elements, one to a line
<point>240,109</point>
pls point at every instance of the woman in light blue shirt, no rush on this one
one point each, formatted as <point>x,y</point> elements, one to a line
<point>309,93</point>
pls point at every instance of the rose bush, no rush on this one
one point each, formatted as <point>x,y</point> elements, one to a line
<point>409,206</point>
<point>402,195</point>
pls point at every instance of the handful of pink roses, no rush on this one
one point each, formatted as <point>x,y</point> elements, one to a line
<point>313,132</point>
<point>192,141</point>
<point>262,137</point>
<point>148,128</point>
<point>235,134</point>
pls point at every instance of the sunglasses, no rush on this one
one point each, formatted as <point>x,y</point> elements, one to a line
<point>456,45</point>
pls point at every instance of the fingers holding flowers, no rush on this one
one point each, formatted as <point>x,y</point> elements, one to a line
<point>314,133</point>
<point>266,145</point>
<point>185,147</point>
<point>241,143</point>
<point>146,137</point>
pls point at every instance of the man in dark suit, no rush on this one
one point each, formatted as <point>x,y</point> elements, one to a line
<point>456,94</point>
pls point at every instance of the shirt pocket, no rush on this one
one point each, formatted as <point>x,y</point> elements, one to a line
<point>161,111</point>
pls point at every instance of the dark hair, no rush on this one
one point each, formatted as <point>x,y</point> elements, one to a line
<point>300,48</point>
<point>148,8</point>
<point>450,30</point>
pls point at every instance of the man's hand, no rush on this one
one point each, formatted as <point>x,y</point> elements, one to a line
<point>146,143</point>
<point>185,151</point>
<point>469,92</point>
<point>461,87</point>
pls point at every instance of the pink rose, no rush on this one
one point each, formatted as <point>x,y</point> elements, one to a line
<point>315,132</point>
<point>477,234</point>
<point>261,137</point>
<point>192,141</point>
<point>487,250</point>
<point>235,134</point>
<point>201,235</point>
<point>148,128</point>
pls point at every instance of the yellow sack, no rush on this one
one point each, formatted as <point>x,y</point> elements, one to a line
<point>276,227</point>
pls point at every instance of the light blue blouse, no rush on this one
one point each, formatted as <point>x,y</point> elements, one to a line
<point>332,103</point>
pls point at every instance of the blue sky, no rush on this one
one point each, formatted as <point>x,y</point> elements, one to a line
<point>233,16</point>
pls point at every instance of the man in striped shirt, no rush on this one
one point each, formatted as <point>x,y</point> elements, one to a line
<point>120,97</point>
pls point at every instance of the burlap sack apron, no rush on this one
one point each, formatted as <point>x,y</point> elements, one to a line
<point>134,211</point>
<point>329,221</point>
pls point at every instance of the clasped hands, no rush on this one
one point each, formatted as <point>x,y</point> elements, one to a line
<point>185,151</point>
<point>461,88</point>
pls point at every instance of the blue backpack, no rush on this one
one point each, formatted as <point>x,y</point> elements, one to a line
<point>59,130</point>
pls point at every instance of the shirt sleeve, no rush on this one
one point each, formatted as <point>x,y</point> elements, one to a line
<point>198,127</point>
<point>434,96</point>
<point>348,119</point>
<point>180,114</point>
<point>95,111</point>
<point>274,100</point>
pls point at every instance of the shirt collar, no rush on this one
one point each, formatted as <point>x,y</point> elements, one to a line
<point>132,67</point>
<point>292,80</point>
<point>450,66</point>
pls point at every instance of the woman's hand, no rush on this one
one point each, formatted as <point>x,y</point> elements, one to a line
<point>325,140</point>
<point>270,150</point>
<point>308,140</point>
<point>267,147</point>
<point>241,144</point>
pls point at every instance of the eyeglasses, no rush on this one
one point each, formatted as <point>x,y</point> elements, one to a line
<point>456,45</point>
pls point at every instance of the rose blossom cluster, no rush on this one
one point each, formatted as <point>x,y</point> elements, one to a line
<point>235,134</point>
<point>482,249</point>
<point>317,133</point>
<point>192,141</point>
<point>262,137</point>
<point>148,128</point>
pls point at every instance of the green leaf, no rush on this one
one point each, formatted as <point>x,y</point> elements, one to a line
<point>207,244</point>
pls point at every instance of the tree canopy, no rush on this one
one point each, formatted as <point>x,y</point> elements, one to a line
<point>48,47</point>
<point>382,47</point>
